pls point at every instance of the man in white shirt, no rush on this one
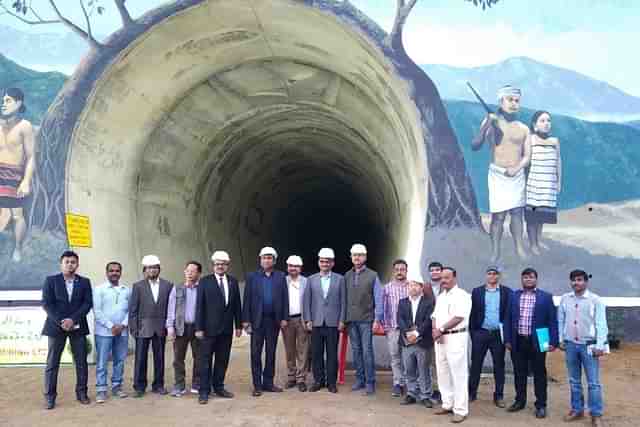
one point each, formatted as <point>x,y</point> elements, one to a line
<point>296,337</point>
<point>451,337</point>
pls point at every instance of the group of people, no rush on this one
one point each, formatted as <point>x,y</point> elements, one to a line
<point>429,326</point>
<point>525,173</point>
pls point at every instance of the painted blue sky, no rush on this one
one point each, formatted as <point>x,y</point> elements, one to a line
<point>596,38</point>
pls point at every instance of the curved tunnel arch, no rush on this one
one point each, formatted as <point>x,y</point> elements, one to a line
<point>235,125</point>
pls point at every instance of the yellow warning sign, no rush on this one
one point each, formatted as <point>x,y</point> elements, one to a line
<point>78,230</point>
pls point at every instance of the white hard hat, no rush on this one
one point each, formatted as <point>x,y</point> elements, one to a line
<point>220,256</point>
<point>326,253</point>
<point>294,260</point>
<point>415,277</point>
<point>268,250</point>
<point>358,248</point>
<point>149,260</point>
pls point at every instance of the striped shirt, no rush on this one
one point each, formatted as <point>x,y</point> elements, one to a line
<point>527,303</point>
<point>542,180</point>
<point>392,293</point>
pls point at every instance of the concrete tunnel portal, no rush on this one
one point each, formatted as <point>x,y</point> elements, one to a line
<point>222,129</point>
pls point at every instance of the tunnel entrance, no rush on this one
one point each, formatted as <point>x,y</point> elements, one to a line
<point>235,125</point>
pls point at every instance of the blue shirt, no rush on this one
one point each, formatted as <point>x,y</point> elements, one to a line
<point>267,294</point>
<point>491,309</point>
<point>583,319</point>
<point>110,307</point>
<point>325,281</point>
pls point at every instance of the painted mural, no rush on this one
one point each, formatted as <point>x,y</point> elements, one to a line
<point>531,144</point>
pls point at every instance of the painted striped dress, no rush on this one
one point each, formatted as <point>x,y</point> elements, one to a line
<point>542,183</point>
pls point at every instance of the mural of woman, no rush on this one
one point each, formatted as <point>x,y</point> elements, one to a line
<point>544,179</point>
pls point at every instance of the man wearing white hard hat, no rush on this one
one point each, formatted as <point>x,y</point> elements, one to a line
<point>414,324</point>
<point>295,335</point>
<point>364,315</point>
<point>147,324</point>
<point>218,310</point>
<point>325,310</point>
<point>265,312</point>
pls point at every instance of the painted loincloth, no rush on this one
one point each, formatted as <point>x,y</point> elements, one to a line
<point>505,192</point>
<point>10,178</point>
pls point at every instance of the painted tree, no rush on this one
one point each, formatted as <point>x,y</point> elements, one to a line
<point>452,200</point>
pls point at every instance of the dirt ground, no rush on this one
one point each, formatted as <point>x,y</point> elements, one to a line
<point>21,401</point>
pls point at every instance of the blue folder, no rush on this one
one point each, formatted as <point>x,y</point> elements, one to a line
<point>543,339</point>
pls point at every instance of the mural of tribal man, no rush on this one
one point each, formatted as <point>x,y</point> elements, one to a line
<point>510,144</point>
<point>17,162</point>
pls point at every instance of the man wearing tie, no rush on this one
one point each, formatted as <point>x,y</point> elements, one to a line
<point>147,324</point>
<point>325,309</point>
<point>66,298</point>
<point>265,311</point>
<point>218,309</point>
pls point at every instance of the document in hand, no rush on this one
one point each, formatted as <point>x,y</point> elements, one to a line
<point>543,339</point>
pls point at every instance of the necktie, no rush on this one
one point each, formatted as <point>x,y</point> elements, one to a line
<point>221,284</point>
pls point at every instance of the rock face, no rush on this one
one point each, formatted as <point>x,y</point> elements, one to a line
<point>233,124</point>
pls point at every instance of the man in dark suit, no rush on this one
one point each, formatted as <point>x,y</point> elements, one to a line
<point>265,311</point>
<point>325,308</point>
<point>66,298</point>
<point>414,323</point>
<point>489,304</point>
<point>147,324</point>
<point>530,309</point>
<point>218,308</point>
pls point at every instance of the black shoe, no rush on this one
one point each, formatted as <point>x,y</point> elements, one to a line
<point>541,412</point>
<point>408,400</point>
<point>517,406</point>
<point>427,403</point>
<point>224,393</point>
<point>290,384</point>
<point>332,389</point>
<point>315,387</point>
<point>50,403</point>
<point>272,389</point>
<point>203,400</point>
<point>161,391</point>
<point>84,399</point>
<point>302,387</point>
<point>256,392</point>
<point>138,394</point>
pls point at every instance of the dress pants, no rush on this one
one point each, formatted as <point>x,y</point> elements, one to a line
<point>220,346</point>
<point>325,339</point>
<point>180,346</point>
<point>266,336</point>
<point>296,344</point>
<point>140,364</point>
<point>452,365</point>
<point>482,341</point>
<point>78,350</point>
<point>526,354</point>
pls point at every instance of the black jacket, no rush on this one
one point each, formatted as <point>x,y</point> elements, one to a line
<point>422,323</point>
<point>477,305</point>
<point>55,301</point>
<point>212,316</point>
<point>252,303</point>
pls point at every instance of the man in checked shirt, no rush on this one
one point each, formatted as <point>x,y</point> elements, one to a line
<point>392,293</point>
<point>531,309</point>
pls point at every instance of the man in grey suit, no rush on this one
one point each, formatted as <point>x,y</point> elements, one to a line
<point>147,319</point>
<point>325,307</point>
<point>295,334</point>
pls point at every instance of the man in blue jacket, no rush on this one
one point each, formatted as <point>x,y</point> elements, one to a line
<point>67,298</point>
<point>265,310</point>
<point>531,314</point>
